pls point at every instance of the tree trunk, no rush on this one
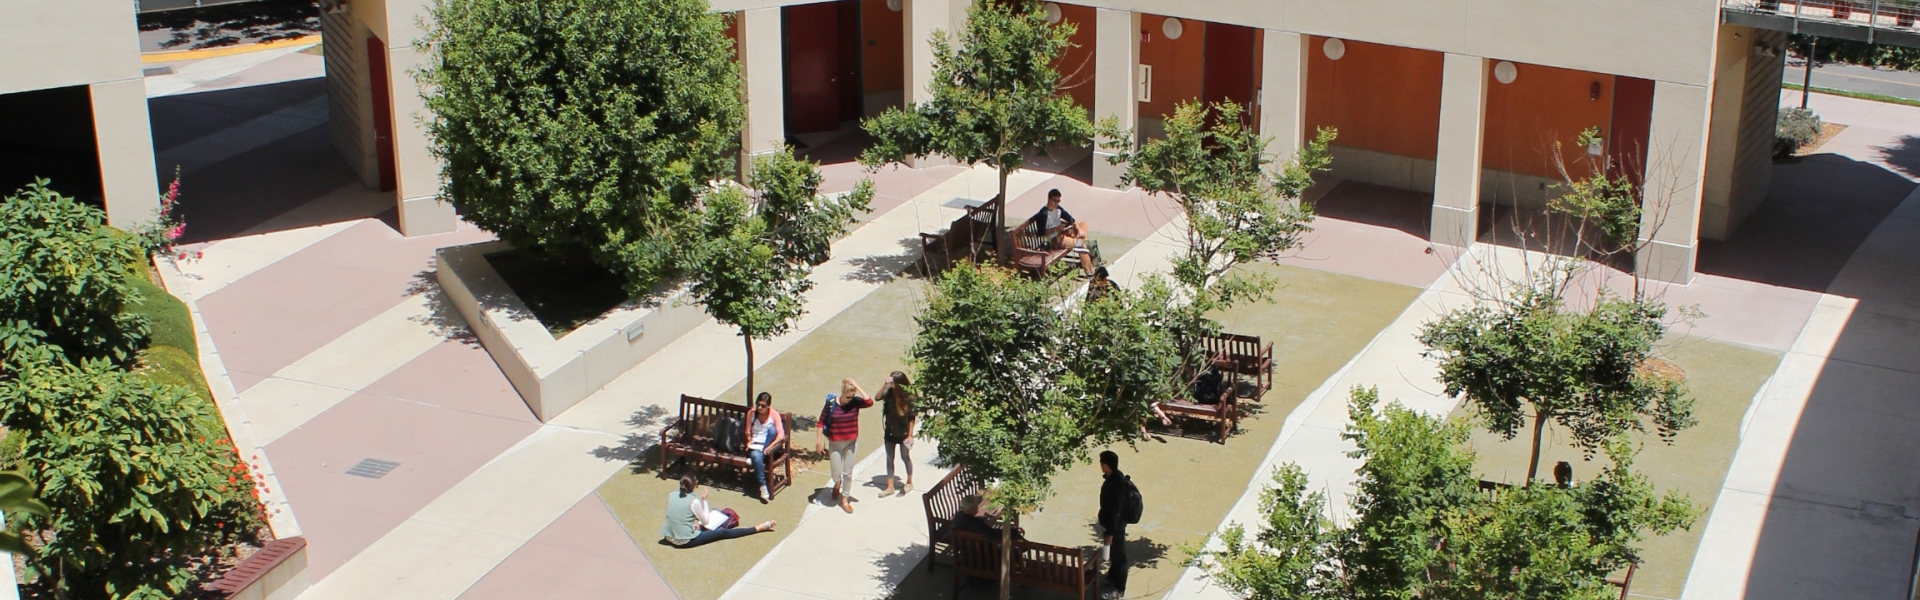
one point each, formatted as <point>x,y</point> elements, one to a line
<point>1006,553</point>
<point>749,340</point>
<point>1533,464</point>
<point>1003,242</point>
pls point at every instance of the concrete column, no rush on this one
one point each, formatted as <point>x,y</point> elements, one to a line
<point>1456,179</point>
<point>1676,164</point>
<point>762,65</point>
<point>125,141</point>
<point>1283,93</point>
<point>1116,51</point>
<point>417,172</point>
<point>921,18</point>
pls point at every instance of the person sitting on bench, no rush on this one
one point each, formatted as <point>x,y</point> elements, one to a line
<point>975,517</point>
<point>1060,230</point>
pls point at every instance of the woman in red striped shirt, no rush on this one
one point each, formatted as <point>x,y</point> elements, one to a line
<point>840,423</point>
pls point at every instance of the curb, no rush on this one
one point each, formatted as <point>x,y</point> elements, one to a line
<point>179,55</point>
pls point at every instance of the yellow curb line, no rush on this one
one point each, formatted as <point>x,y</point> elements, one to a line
<point>160,57</point>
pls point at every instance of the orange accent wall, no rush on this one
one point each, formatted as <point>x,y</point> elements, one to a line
<point>881,47</point>
<point>1380,98</point>
<point>1076,64</point>
<point>1544,105</point>
<point>733,32</point>
<point>1177,64</point>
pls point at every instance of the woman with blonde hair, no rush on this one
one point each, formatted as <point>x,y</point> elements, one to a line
<point>898,411</point>
<point>840,425</point>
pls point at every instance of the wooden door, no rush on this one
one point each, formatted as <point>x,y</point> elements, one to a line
<point>382,113</point>
<point>813,69</point>
<point>1228,74</point>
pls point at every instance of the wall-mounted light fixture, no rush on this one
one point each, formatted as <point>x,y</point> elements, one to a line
<point>1593,92</point>
<point>1053,12</point>
<point>893,5</point>
<point>1334,48</point>
<point>1172,28</point>
<point>1504,72</point>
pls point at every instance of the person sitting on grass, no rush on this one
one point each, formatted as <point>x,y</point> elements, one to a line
<point>687,515</point>
<point>1060,230</point>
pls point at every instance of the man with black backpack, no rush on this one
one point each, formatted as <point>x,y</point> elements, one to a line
<point>1120,506</point>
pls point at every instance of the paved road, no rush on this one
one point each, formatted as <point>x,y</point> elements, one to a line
<point>1900,84</point>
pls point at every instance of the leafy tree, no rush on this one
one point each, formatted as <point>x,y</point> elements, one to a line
<point>1529,354</point>
<point>1421,528</point>
<point>1015,391</point>
<point>582,127</point>
<point>1240,206</point>
<point>137,485</point>
<point>754,249</point>
<point>64,293</point>
<point>995,97</point>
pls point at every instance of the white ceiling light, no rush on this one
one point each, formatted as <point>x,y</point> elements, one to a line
<point>1505,72</point>
<point>1334,48</point>
<point>1052,9</point>
<point>1172,28</point>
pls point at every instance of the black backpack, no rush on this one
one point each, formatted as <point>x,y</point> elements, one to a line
<point>1135,504</point>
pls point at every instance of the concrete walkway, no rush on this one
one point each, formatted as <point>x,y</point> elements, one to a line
<point>456,539</point>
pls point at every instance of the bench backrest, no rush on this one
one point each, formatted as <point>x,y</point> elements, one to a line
<point>1233,344</point>
<point>704,422</point>
<point>1039,564</point>
<point>943,500</point>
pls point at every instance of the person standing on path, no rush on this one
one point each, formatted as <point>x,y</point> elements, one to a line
<point>899,428</point>
<point>840,425</point>
<point>766,431</point>
<point>1113,522</point>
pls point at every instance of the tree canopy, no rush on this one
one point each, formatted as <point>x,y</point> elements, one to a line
<point>995,97</point>
<point>582,128</point>
<point>1421,528</point>
<point>754,248</point>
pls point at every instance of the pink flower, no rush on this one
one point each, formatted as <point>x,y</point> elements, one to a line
<point>174,234</point>
<point>199,254</point>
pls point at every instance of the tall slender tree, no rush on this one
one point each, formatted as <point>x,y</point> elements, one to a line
<point>755,247</point>
<point>996,96</point>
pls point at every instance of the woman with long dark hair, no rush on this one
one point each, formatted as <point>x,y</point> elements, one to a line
<point>899,427</point>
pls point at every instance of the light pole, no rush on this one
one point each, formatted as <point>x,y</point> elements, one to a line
<point>1806,85</point>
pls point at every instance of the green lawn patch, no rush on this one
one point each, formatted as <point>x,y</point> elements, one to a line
<point>1723,379</point>
<point>562,294</point>
<point>1853,94</point>
<point>1319,321</point>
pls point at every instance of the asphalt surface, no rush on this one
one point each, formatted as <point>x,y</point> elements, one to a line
<point>1899,84</point>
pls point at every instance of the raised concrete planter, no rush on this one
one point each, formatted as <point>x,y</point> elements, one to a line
<point>551,374</point>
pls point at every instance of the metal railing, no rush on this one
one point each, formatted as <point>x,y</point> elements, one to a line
<point>1874,15</point>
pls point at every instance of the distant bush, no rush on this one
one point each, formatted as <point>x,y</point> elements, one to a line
<point>1797,128</point>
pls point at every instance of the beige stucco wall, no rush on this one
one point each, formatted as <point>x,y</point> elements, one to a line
<point>68,42</point>
<point>397,24</point>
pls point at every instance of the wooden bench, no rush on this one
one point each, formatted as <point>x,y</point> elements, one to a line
<point>1030,253</point>
<point>1225,413</point>
<point>941,502</point>
<point>967,238</point>
<point>712,433</point>
<point>1071,570</point>
<point>1238,355</point>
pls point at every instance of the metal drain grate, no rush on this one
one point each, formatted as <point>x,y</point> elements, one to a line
<point>372,468</point>
<point>152,71</point>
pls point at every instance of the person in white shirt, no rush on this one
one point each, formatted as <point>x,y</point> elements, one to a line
<point>1059,228</point>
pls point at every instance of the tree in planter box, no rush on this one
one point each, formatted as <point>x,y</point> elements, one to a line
<point>582,128</point>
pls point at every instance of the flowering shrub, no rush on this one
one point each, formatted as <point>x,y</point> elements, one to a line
<point>159,235</point>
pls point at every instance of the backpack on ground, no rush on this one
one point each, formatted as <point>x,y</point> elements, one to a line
<point>1135,504</point>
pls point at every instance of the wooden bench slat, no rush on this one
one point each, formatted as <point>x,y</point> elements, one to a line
<point>690,438</point>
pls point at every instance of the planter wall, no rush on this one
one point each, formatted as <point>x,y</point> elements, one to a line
<point>552,375</point>
<point>277,572</point>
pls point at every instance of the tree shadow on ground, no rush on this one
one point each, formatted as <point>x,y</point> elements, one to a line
<point>1903,155</point>
<point>442,317</point>
<point>641,443</point>
<point>234,24</point>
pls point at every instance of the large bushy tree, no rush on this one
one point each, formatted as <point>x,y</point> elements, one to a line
<point>1015,389</point>
<point>995,97</point>
<point>1421,528</point>
<point>582,128</point>
<point>754,247</point>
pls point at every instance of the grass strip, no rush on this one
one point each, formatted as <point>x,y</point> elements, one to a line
<point>1850,94</point>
